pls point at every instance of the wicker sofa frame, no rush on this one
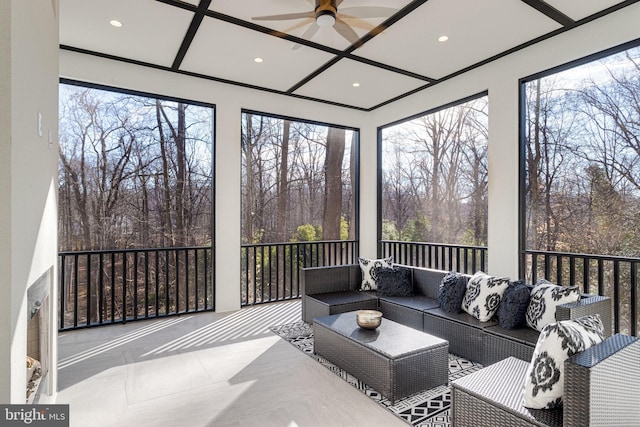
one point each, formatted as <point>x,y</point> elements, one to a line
<point>335,289</point>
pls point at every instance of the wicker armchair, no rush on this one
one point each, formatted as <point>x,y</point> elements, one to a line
<point>602,389</point>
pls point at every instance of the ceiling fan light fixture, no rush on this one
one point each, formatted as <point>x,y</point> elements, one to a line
<point>325,18</point>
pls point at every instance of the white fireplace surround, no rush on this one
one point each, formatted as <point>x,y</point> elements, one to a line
<point>39,330</point>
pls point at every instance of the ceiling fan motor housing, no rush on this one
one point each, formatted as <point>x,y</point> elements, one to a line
<point>326,7</point>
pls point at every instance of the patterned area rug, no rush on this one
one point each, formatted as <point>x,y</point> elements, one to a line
<point>429,408</point>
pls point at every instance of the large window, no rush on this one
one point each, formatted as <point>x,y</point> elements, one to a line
<point>299,204</point>
<point>582,177</point>
<point>298,180</point>
<point>135,171</point>
<point>135,206</point>
<point>434,176</point>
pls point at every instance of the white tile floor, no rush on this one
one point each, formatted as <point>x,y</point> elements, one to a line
<point>205,369</point>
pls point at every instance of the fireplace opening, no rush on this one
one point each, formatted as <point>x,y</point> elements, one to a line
<point>38,337</point>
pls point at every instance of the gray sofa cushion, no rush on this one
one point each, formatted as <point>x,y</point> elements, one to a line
<point>416,302</point>
<point>463,318</point>
<point>344,297</point>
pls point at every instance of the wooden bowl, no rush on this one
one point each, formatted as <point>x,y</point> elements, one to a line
<point>369,319</point>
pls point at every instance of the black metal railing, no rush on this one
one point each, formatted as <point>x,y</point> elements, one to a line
<point>441,256</point>
<point>271,271</point>
<point>612,276</point>
<point>117,286</point>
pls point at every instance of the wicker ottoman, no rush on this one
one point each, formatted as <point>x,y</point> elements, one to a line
<point>396,360</point>
<point>493,397</point>
<point>601,389</point>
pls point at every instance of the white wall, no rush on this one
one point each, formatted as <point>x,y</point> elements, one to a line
<point>501,78</point>
<point>28,212</point>
<point>229,100</point>
<point>6,328</point>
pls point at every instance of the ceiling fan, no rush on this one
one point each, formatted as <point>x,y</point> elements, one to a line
<point>325,14</point>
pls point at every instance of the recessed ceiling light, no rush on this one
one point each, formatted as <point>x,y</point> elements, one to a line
<point>356,84</point>
<point>258,60</point>
<point>115,23</point>
<point>443,38</point>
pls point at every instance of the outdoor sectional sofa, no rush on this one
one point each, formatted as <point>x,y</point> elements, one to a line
<point>335,289</point>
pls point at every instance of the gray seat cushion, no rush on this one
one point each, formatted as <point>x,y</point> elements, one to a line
<point>416,302</point>
<point>464,318</point>
<point>344,297</point>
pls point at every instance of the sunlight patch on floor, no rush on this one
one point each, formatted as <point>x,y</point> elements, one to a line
<point>244,323</point>
<point>110,345</point>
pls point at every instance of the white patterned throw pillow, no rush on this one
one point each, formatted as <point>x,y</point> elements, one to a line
<point>545,297</point>
<point>483,295</point>
<point>368,267</point>
<point>544,380</point>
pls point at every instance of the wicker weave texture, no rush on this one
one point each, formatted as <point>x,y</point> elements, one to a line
<point>608,390</point>
<point>497,348</point>
<point>471,411</point>
<point>394,378</point>
<point>465,341</point>
<point>493,397</point>
<point>586,306</point>
<point>404,315</point>
<point>318,280</point>
<point>313,307</point>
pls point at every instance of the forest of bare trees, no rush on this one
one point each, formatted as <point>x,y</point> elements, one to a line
<point>298,185</point>
<point>582,173</point>
<point>135,179</point>
<point>434,178</point>
<point>297,180</point>
<point>583,158</point>
<point>135,172</point>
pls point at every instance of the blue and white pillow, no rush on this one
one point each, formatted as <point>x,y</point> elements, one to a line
<point>545,297</point>
<point>369,276</point>
<point>483,295</point>
<point>544,380</point>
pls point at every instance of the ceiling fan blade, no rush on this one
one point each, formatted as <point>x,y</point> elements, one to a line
<point>339,2</point>
<point>308,33</point>
<point>311,31</point>
<point>285,16</point>
<point>301,24</point>
<point>368,11</point>
<point>346,31</point>
<point>357,23</point>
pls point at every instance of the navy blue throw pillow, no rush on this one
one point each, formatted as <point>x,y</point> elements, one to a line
<point>394,282</point>
<point>451,292</point>
<point>513,307</point>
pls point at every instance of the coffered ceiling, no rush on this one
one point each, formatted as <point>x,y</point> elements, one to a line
<point>394,48</point>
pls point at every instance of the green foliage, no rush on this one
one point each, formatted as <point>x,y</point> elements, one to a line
<point>417,229</point>
<point>258,235</point>
<point>344,229</point>
<point>307,233</point>
<point>389,230</point>
<point>470,239</point>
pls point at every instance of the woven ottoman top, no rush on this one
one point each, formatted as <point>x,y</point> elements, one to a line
<point>390,338</point>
